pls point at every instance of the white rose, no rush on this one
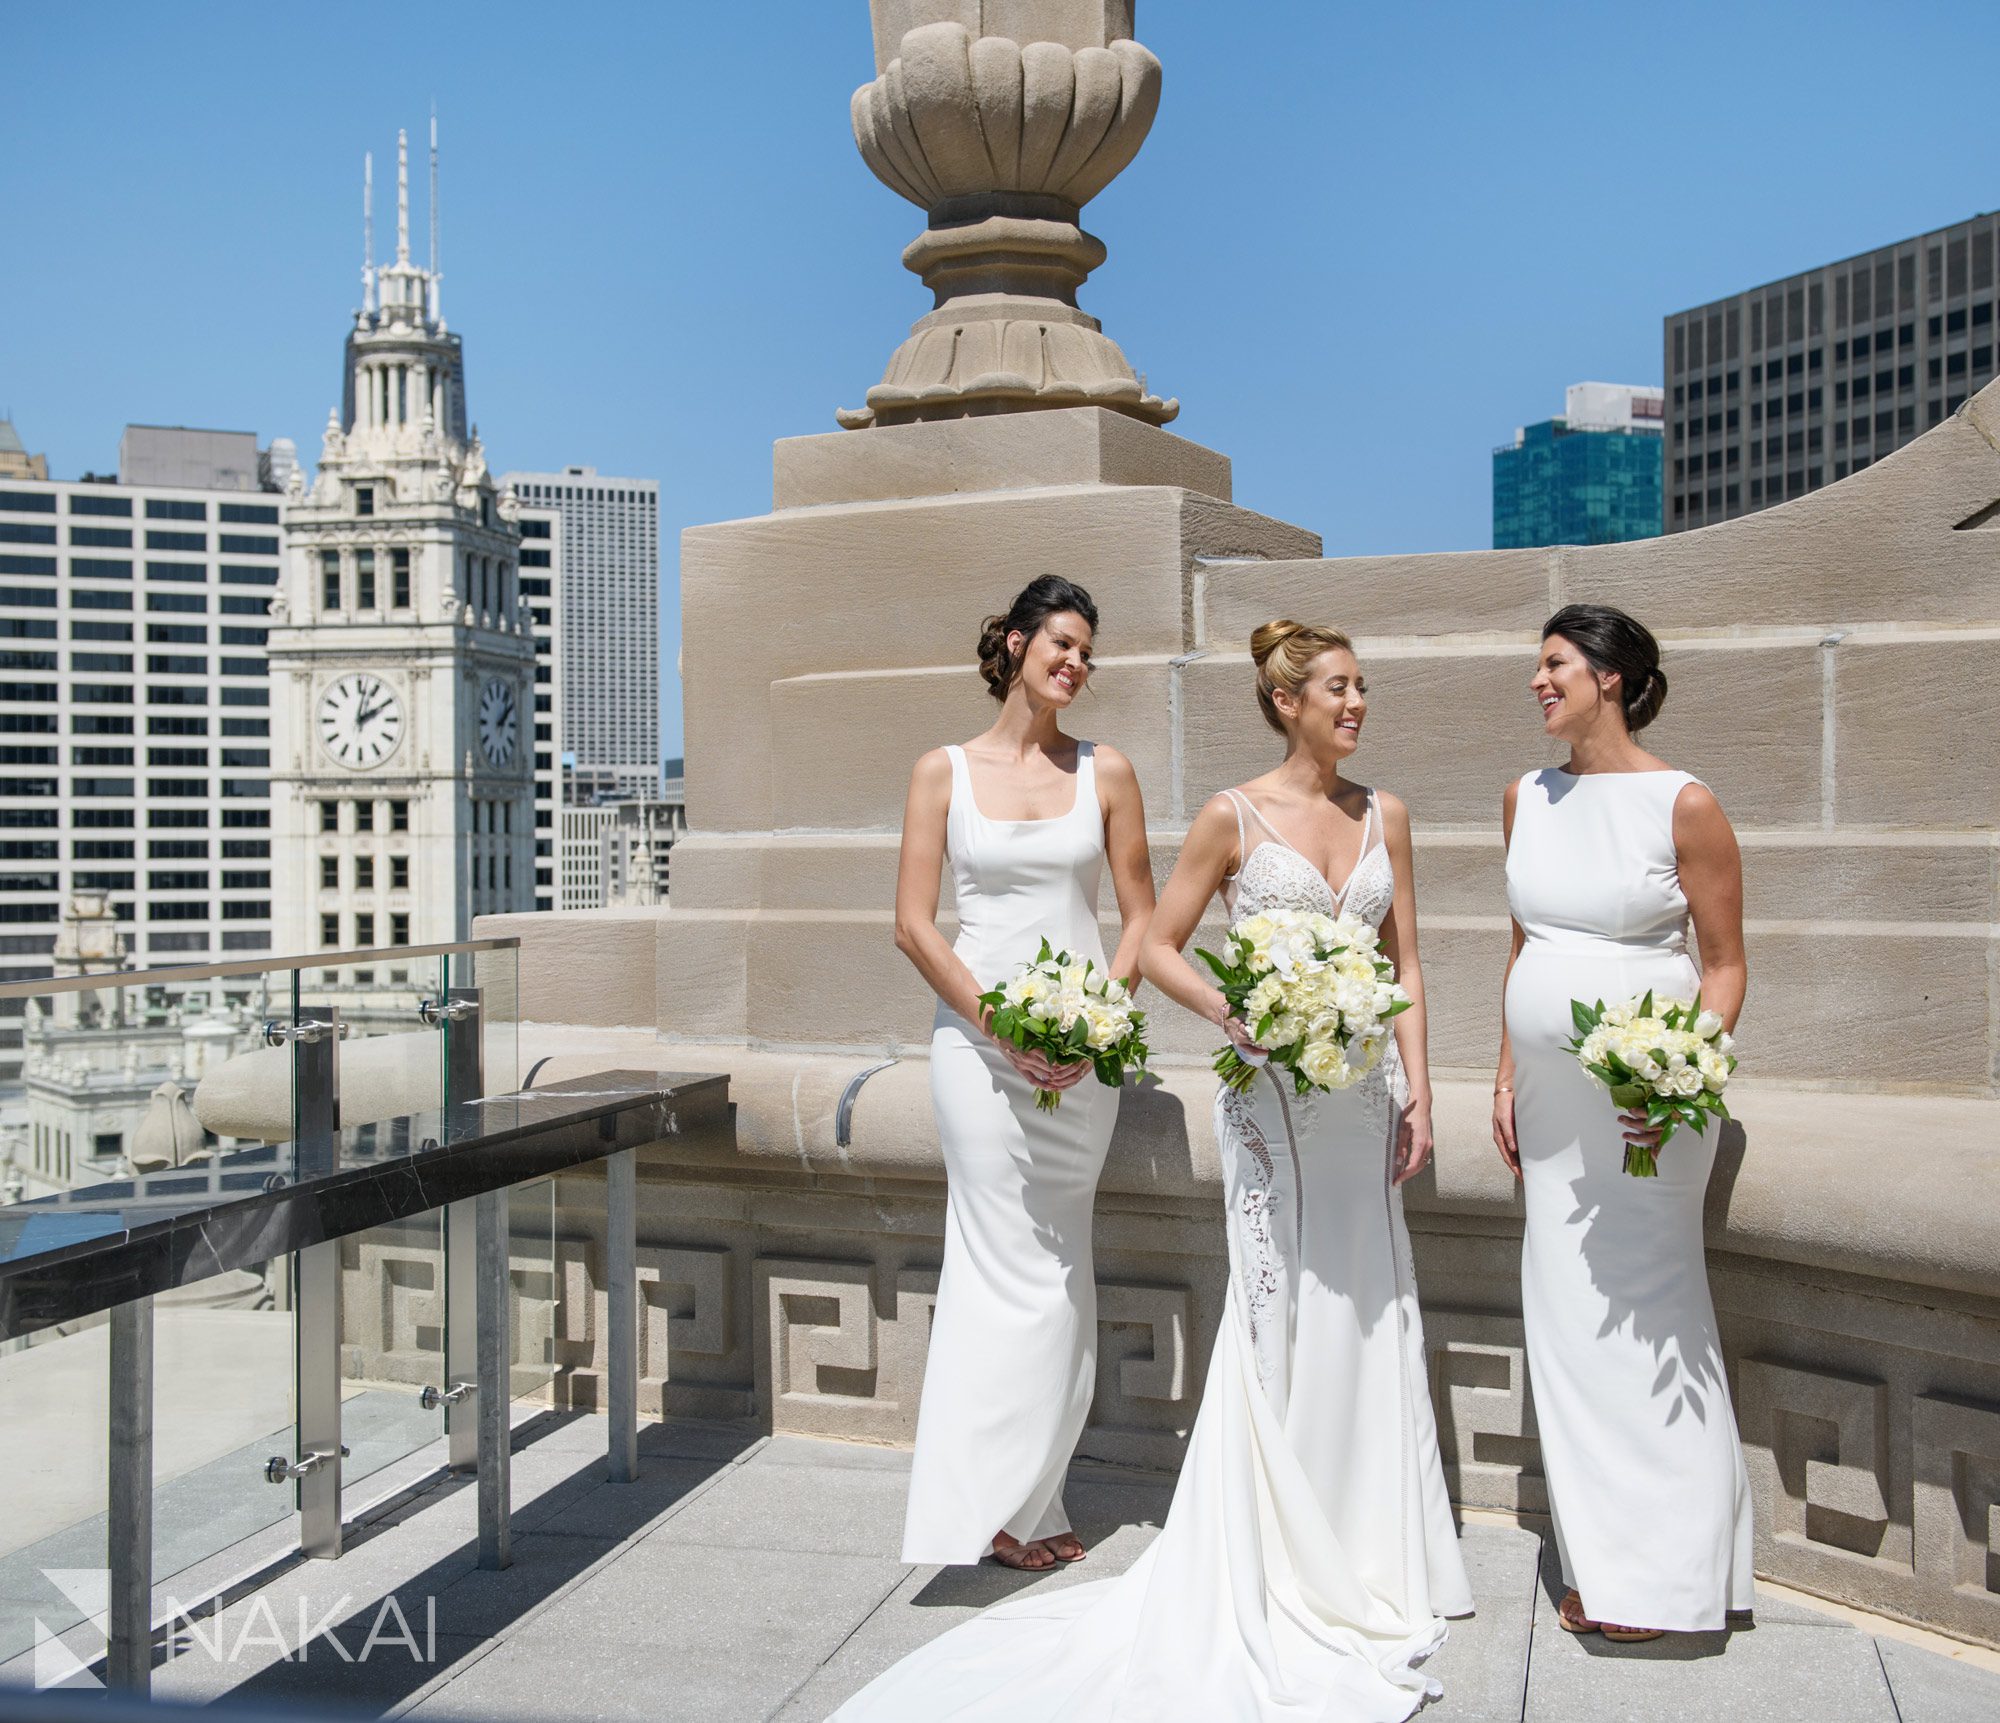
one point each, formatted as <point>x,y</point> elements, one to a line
<point>1324,1064</point>
<point>1708,1025</point>
<point>1687,1082</point>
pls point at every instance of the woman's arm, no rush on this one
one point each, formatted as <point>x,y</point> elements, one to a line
<point>1711,870</point>
<point>917,873</point>
<point>1131,862</point>
<point>1414,1139</point>
<point>1198,874</point>
<point>1503,1078</point>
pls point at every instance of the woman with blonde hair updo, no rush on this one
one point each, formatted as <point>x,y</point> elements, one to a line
<point>1309,1557</point>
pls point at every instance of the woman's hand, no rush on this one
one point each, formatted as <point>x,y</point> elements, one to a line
<point>1036,1068</point>
<point>1638,1133</point>
<point>1414,1141</point>
<point>1503,1128</point>
<point>1240,1038</point>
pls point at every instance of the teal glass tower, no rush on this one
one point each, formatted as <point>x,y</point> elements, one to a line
<point>1593,476</point>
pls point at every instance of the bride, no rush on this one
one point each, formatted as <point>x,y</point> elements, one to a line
<point>1309,1554</point>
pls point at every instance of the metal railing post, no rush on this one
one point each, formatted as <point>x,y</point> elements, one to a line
<point>316,1290</point>
<point>464,1080</point>
<point>491,1398</point>
<point>129,1528</point>
<point>461,1334</point>
<point>621,1305</point>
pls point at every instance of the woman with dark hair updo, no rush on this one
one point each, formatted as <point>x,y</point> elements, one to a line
<point>1608,859</point>
<point>1027,818</point>
<point>1309,1556</point>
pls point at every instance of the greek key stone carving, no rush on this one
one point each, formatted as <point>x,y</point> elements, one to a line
<point>1166,1313</point>
<point>1817,1446</point>
<point>1956,1465</point>
<point>686,1311</point>
<point>683,1304</point>
<point>392,1311</point>
<point>1486,1417</point>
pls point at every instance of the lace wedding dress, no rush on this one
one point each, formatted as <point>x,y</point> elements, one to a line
<point>1310,1553</point>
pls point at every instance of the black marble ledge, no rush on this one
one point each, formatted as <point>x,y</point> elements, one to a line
<point>70,1255</point>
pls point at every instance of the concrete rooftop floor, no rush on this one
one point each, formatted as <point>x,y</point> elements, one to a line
<point>753,1578</point>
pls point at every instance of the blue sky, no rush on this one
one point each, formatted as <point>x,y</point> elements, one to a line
<point>1361,245</point>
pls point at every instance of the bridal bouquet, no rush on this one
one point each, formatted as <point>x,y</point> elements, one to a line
<point>1068,1011</point>
<point>1314,990</point>
<point>1668,1057</point>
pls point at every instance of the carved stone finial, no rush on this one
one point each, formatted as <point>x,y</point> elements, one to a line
<point>1001,142</point>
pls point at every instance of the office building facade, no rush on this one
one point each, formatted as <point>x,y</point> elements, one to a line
<point>135,720</point>
<point>607,610</point>
<point>1776,391</point>
<point>1589,477</point>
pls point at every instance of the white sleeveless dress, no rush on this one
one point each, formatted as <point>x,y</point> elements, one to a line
<point>1647,1487</point>
<point>1013,1350</point>
<point>1310,1549</point>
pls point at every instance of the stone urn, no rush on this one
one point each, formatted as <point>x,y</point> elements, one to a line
<point>1001,119</point>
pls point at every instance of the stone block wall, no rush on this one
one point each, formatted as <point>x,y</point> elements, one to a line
<point>1833,667</point>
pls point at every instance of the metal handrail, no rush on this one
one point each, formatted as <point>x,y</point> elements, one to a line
<point>245,966</point>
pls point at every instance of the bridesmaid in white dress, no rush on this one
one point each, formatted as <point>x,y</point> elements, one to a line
<point>1027,817</point>
<point>1607,859</point>
<point>1310,1551</point>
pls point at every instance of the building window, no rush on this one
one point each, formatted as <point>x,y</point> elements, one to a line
<point>364,580</point>
<point>329,873</point>
<point>165,508</point>
<point>364,499</point>
<point>329,931</point>
<point>364,873</point>
<point>364,816</point>
<point>399,816</point>
<point>329,816</point>
<point>399,873</point>
<point>399,928</point>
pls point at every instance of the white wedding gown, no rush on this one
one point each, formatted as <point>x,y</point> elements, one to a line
<point>1013,1348</point>
<point>1310,1551</point>
<point>1647,1488</point>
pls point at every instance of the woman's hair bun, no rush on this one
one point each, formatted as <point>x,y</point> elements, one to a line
<point>1283,651</point>
<point>1613,643</point>
<point>1045,596</point>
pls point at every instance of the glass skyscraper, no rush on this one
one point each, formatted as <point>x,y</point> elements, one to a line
<point>1592,476</point>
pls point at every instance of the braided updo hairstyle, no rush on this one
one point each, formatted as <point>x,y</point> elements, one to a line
<point>1613,643</point>
<point>1283,652</point>
<point>1045,596</point>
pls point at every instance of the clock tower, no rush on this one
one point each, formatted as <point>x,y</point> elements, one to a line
<point>402,657</point>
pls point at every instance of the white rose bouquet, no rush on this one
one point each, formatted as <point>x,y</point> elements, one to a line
<point>1666,1057</point>
<point>1069,1011</point>
<point>1314,990</point>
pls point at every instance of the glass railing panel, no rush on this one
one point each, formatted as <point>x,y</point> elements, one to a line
<point>159,1093</point>
<point>54,1451</point>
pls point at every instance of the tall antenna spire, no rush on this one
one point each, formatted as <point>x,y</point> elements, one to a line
<point>437,275</point>
<point>403,198</point>
<point>368,231</point>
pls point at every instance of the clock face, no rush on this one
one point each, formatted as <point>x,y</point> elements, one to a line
<point>360,720</point>
<point>499,722</point>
